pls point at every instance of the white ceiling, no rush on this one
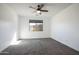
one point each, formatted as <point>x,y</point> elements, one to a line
<point>24,10</point>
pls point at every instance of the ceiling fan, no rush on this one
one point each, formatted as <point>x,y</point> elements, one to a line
<point>39,8</point>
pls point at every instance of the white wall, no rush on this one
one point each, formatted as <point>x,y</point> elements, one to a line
<point>24,32</point>
<point>65,26</point>
<point>8,26</point>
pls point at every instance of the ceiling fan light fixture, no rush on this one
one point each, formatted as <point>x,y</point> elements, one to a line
<point>38,12</point>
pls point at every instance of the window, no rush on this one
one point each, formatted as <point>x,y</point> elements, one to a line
<point>36,25</point>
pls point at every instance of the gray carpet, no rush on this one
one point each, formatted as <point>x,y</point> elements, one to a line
<point>39,47</point>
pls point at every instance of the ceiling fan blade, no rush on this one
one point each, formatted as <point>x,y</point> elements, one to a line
<point>44,10</point>
<point>42,5</point>
<point>32,7</point>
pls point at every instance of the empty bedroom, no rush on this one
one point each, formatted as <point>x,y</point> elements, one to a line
<point>39,29</point>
